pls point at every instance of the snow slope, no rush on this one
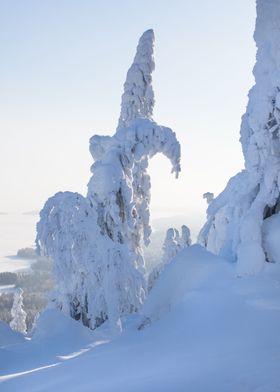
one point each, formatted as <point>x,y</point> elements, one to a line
<point>8,336</point>
<point>216,332</point>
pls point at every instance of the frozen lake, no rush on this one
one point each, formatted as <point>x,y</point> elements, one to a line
<point>16,231</point>
<point>10,288</point>
<point>19,230</point>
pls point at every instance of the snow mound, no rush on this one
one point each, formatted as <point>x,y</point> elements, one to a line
<point>189,269</point>
<point>223,327</point>
<point>172,245</point>
<point>250,259</point>
<point>54,326</point>
<point>8,336</point>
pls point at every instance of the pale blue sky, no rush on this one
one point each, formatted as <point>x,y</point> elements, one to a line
<point>63,64</point>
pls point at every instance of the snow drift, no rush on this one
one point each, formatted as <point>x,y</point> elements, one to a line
<point>8,336</point>
<point>215,332</point>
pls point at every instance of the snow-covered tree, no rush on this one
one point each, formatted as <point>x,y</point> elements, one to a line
<point>185,239</point>
<point>96,242</point>
<point>235,217</point>
<point>173,244</point>
<point>208,196</point>
<point>18,322</point>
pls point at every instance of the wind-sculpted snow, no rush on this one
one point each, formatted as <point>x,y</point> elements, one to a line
<point>97,241</point>
<point>8,336</point>
<point>235,217</point>
<point>201,329</point>
<point>188,269</point>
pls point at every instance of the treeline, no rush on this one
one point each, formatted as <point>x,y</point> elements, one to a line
<point>7,278</point>
<point>36,284</point>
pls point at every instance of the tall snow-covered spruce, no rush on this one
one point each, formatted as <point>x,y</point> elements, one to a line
<point>234,227</point>
<point>96,242</point>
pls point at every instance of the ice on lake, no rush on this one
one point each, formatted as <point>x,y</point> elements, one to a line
<point>16,231</point>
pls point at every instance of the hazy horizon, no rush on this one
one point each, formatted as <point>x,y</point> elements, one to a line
<point>62,75</point>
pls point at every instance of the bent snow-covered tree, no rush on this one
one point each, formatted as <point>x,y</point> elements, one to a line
<point>96,241</point>
<point>235,218</point>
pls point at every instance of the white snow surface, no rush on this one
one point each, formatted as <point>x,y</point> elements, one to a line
<point>216,332</point>
<point>8,337</point>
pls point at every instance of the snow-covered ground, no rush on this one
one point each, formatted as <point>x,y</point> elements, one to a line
<point>16,231</point>
<point>216,332</point>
